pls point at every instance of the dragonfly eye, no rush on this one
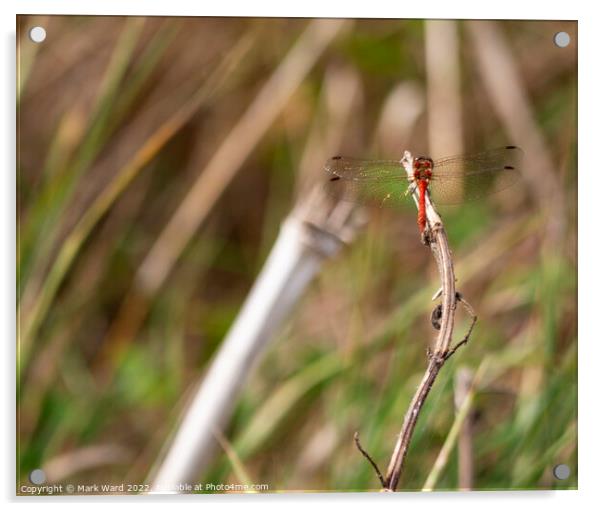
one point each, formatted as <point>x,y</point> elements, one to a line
<point>422,162</point>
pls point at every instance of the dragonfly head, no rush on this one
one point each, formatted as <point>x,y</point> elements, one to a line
<point>423,168</point>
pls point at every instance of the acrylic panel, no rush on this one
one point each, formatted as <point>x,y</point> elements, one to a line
<point>250,259</point>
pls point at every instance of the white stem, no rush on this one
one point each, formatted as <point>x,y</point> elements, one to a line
<point>296,257</point>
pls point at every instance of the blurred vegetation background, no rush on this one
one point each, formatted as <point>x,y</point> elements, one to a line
<point>147,205</point>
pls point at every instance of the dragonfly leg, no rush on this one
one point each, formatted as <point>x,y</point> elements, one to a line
<point>385,199</point>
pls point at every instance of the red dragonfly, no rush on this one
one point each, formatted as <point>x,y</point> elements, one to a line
<point>450,180</point>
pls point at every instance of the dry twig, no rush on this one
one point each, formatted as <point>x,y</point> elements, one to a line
<point>356,438</point>
<point>436,238</point>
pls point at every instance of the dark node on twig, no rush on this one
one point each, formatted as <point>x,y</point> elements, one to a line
<point>437,313</point>
<point>432,356</point>
<point>356,437</point>
<point>335,178</point>
<point>436,316</point>
<point>466,337</point>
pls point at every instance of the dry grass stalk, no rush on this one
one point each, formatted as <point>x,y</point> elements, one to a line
<point>462,392</point>
<point>512,105</point>
<point>221,169</point>
<point>460,432</point>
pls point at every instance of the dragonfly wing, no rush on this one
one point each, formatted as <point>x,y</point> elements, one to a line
<point>364,170</point>
<point>456,190</point>
<point>379,182</point>
<point>478,163</point>
<point>464,178</point>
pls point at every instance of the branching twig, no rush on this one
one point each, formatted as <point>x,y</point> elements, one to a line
<point>356,437</point>
<point>436,238</point>
<point>473,317</point>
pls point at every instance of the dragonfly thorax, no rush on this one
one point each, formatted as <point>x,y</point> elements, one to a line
<point>423,168</point>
